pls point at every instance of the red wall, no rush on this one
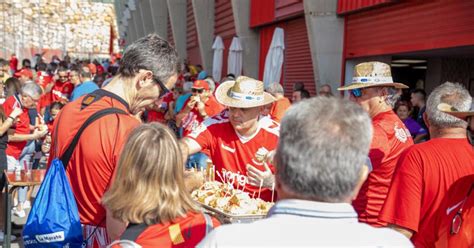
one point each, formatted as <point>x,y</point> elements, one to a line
<point>348,6</point>
<point>409,26</point>
<point>224,27</point>
<point>264,12</point>
<point>192,44</point>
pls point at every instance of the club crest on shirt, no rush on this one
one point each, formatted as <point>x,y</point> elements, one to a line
<point>401,133</point>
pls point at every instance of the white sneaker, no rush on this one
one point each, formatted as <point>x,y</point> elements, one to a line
<point>2,236</point>
<point>20,213</point>
<point>26,204</point>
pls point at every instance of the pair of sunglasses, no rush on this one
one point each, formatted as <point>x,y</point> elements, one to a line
<point>197,91</point>
<point>356,93</point>
<point>163,89</point>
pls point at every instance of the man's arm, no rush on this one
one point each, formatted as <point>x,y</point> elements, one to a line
<point>188,147</point>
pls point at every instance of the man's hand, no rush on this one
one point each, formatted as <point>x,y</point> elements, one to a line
<point>255,176</point>
<point>37,133</point>
<point>201,109</point>
<point>192,102</point>
<point>193,180</point>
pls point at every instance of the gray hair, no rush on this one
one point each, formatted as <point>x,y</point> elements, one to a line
<point>453,94</point>
<point>323,144</point>
<point>187,86</point>
<point>393,96</point>
<point>31,89</point>
<point>275,88</point>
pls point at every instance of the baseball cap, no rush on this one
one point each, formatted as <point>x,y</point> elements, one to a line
<point>24,72</point>
<point>200,84</point>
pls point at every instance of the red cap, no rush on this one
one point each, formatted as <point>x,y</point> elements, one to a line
<point>24,72</point>
<point>200,84</point>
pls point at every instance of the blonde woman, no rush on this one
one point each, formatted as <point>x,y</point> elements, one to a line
<point>149,194</point>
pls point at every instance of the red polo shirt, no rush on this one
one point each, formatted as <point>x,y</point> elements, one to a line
<point>22,125</point>
<point>279,108</point>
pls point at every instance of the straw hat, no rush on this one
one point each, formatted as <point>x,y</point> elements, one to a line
<point>244,92</point>
<point>372,74</point>
<point>448,109</point>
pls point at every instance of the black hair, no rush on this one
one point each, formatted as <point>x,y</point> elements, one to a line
<point>56,105</point>
<point>304,94</point>
<point>150,53</point>
<point>3,62</point>
<point>420,92</point>
<point>41,66</point>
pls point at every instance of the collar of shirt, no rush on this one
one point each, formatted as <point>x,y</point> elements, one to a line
<point>313,209</point>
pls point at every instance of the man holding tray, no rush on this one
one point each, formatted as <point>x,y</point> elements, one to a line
<point>239,140</point>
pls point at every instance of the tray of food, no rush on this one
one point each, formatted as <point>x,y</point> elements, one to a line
<point>230,205</point>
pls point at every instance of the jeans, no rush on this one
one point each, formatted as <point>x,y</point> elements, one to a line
<point>198,161</point>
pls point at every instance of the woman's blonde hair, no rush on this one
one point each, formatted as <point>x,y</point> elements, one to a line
<point>149,184</point>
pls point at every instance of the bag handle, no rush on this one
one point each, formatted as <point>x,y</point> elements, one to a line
<point>68,153</point>
<point>133,231</point>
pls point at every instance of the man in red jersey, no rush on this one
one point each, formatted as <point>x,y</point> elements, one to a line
<point>200,106</point>
<point>148,69</point>
<point>427,170</point>
<point>238,139</point>
<point>374,90</point>
<point>62,88</point>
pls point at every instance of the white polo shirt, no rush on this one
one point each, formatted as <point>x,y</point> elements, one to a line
<point>293,223</point>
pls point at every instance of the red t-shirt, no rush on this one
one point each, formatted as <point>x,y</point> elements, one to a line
<point>185,231</point>
<point>157,116</point>
<point>423,176</point>
<point>390,139</point>
<point>22,126</point>
<point>231,153</point>
<point>460,195</point>
<point>61,90</point>
<point>279,108</point>
<point>193,118</point>
<point>92,165</point>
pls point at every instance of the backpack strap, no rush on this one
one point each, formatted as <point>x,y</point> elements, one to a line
<point>68,153</point>
<point>133,231</point>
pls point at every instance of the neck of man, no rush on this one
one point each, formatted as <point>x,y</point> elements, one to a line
<point>118,87</point>
<point>422,105</point>
<point>249,131</point>
<point>380,108</point>
<point>448,133</point>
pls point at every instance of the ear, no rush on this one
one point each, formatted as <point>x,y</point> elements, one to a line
<point>425,119</point>
<point>364,172</point>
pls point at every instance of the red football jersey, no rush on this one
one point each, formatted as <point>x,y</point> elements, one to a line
<point>230,152</point>
<point>424,174</point>
<point>21,126</point>
<point>61,90</point>
<point>390,139</point>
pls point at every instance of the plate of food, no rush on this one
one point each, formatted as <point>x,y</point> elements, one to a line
<point>230,205</point>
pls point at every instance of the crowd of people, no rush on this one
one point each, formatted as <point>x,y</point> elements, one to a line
<point>365,170</point>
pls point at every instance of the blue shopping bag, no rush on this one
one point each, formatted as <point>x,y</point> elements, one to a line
<point>54,218</point>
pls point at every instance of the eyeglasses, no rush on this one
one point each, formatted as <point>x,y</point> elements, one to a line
<point>356,93</point>
<point>163,89</point>
<point>197,90</point>
<point>456,223</point>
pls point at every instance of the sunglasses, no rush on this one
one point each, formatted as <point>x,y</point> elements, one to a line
<point>356,93</point>
<point>197,91</point>
<point>456,223</point>
<point>163,89</point>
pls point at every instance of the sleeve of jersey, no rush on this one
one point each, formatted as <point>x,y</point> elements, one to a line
<point>202,134</point>
<point>378,147</point>
<point>403,203</point>
<point>7,108</point>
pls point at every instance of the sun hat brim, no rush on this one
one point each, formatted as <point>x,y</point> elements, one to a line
<point>448,109</point>
<point>367,85</point>
<point>222,96</point>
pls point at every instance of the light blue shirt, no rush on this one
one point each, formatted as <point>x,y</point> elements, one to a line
<point>83,89</point>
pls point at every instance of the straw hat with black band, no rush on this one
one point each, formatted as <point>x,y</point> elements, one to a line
<point>448,109</point>
<point>244,92</point>
<point>372,74</point>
